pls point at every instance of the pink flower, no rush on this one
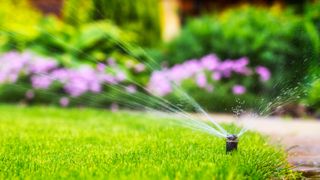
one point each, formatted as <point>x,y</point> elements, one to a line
<point>210,61</point>
<point>41,65</point>
<point>139,68</point>
<point>109,79</point>
<point>131,89</point>
<point>41,82</point>
<point>120,76</point>
<point>238,89</point>
<point>240,66</point>
<point>64,101</point>
<point>159,84</point>
<point>101,67</point>
<point>216,76</point>
<point>263,72</point>
<point>201,80</point>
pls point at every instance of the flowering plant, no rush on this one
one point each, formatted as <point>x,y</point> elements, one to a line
<point>206,73</point>
<point>42,73</point>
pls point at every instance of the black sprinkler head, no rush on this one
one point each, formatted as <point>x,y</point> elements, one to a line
<point>231,143</point>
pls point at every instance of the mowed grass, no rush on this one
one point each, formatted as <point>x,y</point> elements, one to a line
<point>54,143</point>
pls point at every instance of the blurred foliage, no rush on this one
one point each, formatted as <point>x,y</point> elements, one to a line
<point>17,28</point>
<point>312,19</point>
<point>142,17</point>
<point>273,37</point>
<point>72,45</point>
<point>313,97</point>
<point>88,43</point>
<point>93,30</point>
<point>219,100</point>
<point>77,12</point>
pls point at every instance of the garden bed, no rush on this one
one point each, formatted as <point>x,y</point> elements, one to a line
<point>42,142</point>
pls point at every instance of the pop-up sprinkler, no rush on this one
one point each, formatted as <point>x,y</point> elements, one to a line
<point>231,143</point>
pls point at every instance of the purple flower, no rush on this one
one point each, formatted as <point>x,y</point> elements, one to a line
<point>60,75</point>
<point>101,67</point>
<point>238,89</point>
<point>120,76</point>
<point>108,79</point>
<point>64,101</point>
<point>41,65</point>
<point>12,65</point>
<point>263,72</point>
<point>79,81</point>
<point>201,80</point>
<point>226,68</point>
<point>95,87</point>
<point>192,66</point>
<point>139,68</point>
<point>159,84</point>
<point>41,81</point>
<point>216,76</point>
<point>76,87</point>
<point>210,62</point>
<point>131,89</point>
<point>240,66</point>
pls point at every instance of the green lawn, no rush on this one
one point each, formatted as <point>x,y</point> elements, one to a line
<point>47,142</point>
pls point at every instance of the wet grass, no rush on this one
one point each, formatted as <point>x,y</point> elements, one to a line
<point>53,143</point>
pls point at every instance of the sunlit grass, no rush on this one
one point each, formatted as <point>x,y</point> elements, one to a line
<point>42,142</point>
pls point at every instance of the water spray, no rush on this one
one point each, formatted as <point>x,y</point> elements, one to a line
<point>231,143</point>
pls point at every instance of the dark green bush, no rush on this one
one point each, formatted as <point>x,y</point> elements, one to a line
<point>279,40</point>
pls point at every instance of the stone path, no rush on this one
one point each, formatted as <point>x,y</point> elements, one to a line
<point>301,138</point>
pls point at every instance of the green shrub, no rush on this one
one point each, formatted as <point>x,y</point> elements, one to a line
<point>87,43</point>
<point>279,40</point>
<point>16,26</point>
<point>77,12</point>
<point>138,16</point>
<point>220,100</point>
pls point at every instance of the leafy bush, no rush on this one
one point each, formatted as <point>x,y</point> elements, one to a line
<point>71,44</point>
<point>16,26</point>
<point>88,42</point>
<point>141,17</point>
<point>314,95</point>
<point>77,12</point>
<point>215,84</point>
<point>279,40</point>
<point>25,76</point>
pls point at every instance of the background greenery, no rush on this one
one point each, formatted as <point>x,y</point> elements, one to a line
<point>286,42</point>
<point>278,39</point>
<point>141,17</point>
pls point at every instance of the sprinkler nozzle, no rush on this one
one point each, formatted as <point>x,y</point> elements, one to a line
<point>231,143</point>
